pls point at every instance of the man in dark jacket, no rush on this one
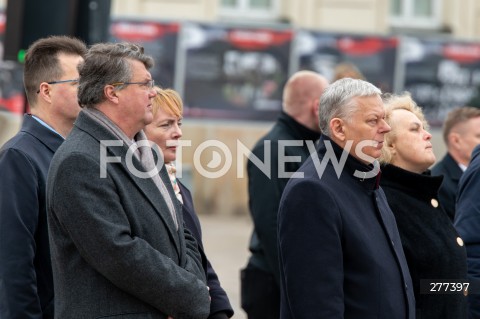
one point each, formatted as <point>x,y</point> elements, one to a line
<point>50,79</point>
<point>339,247</point>
<point>461,133</point>
<point>286,144</point>
<point>467,223</point>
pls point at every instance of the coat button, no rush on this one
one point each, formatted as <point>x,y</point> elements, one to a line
<point>459,241</point>
<point>434,202</point>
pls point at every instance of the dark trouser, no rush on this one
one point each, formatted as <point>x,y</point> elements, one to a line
<point>260,294</point>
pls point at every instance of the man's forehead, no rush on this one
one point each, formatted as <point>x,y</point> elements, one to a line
<point>370,105</point>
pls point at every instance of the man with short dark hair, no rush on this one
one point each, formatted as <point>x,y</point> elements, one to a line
<point>461,133</point>
<point>50,79</point>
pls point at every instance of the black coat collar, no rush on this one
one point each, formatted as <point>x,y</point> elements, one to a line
<point>409,182</point>
<point>298,130</point>
<point>367,175</point>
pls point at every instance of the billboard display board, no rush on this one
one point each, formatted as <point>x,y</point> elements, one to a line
<point>160,40</point>
<point>440,74</point>
<point>374,56</point>
<point>233,72</point>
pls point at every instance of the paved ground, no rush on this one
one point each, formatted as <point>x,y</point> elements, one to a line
<point>226,244</point>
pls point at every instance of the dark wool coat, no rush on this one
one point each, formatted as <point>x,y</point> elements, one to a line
<point>116,251</point>
<point>430,242</point>
<point>451,173</point>
<point>26,284</point>
<point>467,223</point>
<point>219,303</point>
<point>265,191</point>
<point>340,251</point>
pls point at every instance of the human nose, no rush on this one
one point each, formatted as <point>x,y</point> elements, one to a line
<point>384,127</point>
<point>152,92</point>
<point>177,131</point>
<point>427,135</point>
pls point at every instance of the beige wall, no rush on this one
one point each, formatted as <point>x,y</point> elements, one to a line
<point>334,15</point>
<point>368,16</point>
<point>197,10</point>
<point>464,18</point>
<point>364,16</point>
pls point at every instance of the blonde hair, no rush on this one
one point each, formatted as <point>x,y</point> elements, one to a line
<point>394,102</point>
<point>168,100</point>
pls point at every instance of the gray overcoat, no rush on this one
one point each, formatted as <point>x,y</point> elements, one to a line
<point>115,249</point>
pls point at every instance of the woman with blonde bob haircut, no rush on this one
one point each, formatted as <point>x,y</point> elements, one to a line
<point>165,131</point>
<point>433,249</point>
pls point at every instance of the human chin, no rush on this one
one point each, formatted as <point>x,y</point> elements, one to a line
<point>170,155</point>
<point>148,118</point>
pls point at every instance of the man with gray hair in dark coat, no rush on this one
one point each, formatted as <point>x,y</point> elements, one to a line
<point>339,247</point>
<point>119,248</point>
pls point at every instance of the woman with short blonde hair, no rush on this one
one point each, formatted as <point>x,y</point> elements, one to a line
<point>433,249</point>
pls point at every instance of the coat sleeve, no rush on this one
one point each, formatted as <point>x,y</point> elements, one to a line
<point>264,197</point>
<point>467,224</point>
<point>96,222</point>
<point>220,302</point>
<point>310,249</point>
<point>19,209</point>
<point>194,258</point>
<point>219,299</point>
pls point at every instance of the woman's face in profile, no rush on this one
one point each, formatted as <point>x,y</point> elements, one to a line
<point>165,131</point>
<point>411,148</point>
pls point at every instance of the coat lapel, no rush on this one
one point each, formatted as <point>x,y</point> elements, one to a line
<point>48,138</point>
<point>145,185</point>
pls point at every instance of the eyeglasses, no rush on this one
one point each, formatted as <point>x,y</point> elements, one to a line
<point>148,84</point>
<point>62,81</point>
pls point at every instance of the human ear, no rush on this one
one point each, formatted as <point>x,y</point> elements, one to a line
<point>110,93</point>
<point>454,139</point>
<point>337,129</point>
<point>44,92</point>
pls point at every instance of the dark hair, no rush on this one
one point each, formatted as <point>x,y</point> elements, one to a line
<point>42,63</point>
<point>107,63</point>
<point>456,116</point>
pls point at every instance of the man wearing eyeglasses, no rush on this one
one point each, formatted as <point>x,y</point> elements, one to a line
<point>119,248</point>
<point>50,79</point>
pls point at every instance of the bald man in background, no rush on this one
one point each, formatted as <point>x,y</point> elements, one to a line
<point>286,143</point>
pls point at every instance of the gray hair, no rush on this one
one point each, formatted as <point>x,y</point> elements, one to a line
<point>107,63</point>
<point>337,101</point>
